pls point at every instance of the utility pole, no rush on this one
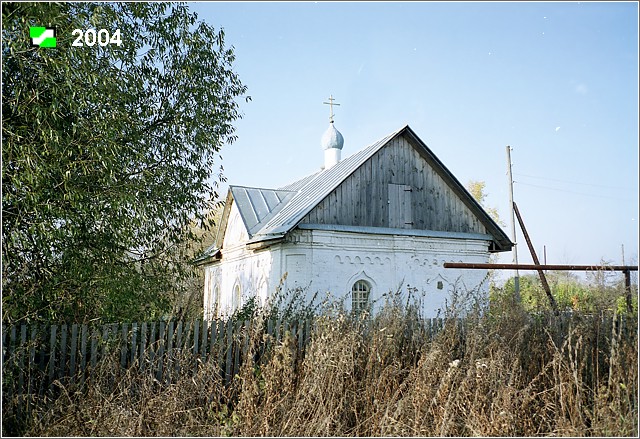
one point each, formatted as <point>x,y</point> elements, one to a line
<point>516,280</point>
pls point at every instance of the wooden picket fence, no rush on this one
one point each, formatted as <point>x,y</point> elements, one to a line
<point>35,356</point>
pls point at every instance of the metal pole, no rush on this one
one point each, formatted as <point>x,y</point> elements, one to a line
<point>543,278</point>
<point>627,290</point>
<point>534,267</point>
<point>516,279</point>
<point>627,284</point>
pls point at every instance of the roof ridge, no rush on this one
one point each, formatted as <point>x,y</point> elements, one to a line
<point>259,188</point>
<point>302,180</point>
<point>308,196</point>
<point>322,171</point>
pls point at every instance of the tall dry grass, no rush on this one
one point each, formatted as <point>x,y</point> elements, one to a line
<point>499,372</point>
<point>492,375</point>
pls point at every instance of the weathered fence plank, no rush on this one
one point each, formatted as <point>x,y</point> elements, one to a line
<point>22,348</point>
<point>143,345</point>
<point>62,371</point>
<point>37,355</point>
<point>94,347</point>
<point>134,342</point>
<point>152,343</point>
<point>13,338</point>
<point>104,340</point>
<point>236,348</point>
<point>124,345</point>
<point>205,338</point>
<point>179,346</point>
<point>159,372</point>
<point>52,354</point>
<point>115,334</point>
<point>83,352</point>
<point>219,357</point>
<point>170,353</point>
<point>32,357</point>
<point>229,346</point>
<point>196,332</point>
<point>179,334</point>
<point>213,356</point>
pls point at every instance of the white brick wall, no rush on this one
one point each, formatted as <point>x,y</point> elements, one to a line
<point>331,261</point>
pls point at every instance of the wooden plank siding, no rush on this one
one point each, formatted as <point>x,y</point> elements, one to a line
<point>363,198</point>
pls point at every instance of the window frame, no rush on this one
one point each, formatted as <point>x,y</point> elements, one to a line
<point>236,298</point>
<point>360,298</point>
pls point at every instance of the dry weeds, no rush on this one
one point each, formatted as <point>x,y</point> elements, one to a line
<point>486,375</point>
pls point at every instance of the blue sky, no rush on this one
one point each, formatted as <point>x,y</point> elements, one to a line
<point>556,81</point>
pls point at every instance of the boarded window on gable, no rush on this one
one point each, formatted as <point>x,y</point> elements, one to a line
<point>400,214</point>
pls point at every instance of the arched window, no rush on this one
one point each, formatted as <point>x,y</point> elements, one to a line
<point>236,300</point>
<point>360,296</point>
<point>216,301</point>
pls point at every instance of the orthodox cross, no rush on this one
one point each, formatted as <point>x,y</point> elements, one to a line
<point>331,104</point>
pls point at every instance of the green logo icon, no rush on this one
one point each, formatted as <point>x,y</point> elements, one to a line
<point>42,36</point>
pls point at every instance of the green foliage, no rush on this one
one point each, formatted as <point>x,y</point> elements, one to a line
<point>289,305</point>
<point>109,154</point>
<point>477,190</point>
<point>600,291</point>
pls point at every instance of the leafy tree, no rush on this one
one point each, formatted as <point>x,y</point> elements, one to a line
<point>477,190</point>
<point>109,154</point>
<point>190,303</point>
<point>570,292</point>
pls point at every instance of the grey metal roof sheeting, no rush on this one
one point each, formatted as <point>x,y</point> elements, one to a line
<point>257,205</point>
<point>299,184</point>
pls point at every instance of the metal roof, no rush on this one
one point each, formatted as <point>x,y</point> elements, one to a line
<point>257,205</point>
<point>271,213</point>
<point>299,184</point>
<point>316,189</point>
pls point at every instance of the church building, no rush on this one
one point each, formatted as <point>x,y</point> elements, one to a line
<point>383,220</point>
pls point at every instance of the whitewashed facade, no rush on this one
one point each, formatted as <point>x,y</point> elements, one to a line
<point>383,220</point>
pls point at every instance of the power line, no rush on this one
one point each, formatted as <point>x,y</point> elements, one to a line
<point>572,192</point>
<point>571,182</point>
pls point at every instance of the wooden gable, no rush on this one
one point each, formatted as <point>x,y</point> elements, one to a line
<point>394,183</point>
<point>402,185</point>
